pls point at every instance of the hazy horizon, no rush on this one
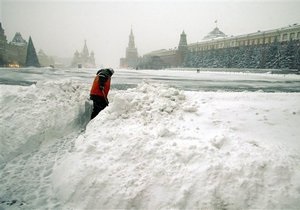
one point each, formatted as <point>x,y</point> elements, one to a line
<point>60,28</point>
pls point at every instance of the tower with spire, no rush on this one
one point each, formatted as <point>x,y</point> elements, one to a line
<point>131,59</point>
<point>182,43</point>
<point>85,52</point>
<point>182,49</point>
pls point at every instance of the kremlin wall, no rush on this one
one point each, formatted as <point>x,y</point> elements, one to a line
<point>273,49</point>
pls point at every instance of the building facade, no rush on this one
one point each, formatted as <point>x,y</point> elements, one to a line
<point>14,54</point>
<point>131,59</point>
<point>277,48</point>
<point>272,49</point>
<point>84,58</point>
<point>285,34</point>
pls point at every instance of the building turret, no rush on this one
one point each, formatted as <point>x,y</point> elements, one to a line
<point>182,43</point>
<point>18,40</point>
<point>131,40</point>
<point>182,49</point>
<point>85,52</point>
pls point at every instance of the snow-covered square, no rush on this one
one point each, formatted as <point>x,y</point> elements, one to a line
<point>156,146</point>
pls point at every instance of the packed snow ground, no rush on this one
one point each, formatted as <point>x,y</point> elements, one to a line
<point>34,114</point>
<point>154,147</point>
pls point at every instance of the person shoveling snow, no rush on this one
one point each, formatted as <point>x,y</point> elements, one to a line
<point>100,89</point>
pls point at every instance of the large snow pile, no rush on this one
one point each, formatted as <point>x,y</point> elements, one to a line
<point>31,115</point>
<point>156,147</point>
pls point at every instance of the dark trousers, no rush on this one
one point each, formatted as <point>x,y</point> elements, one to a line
<point>99,103</point>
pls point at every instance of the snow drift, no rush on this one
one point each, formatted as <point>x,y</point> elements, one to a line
<point>156,147</point>
<point>36,114</point>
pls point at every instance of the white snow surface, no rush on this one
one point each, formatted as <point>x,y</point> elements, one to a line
<point>153,147</point>
<point>39,113</point>
<point>156,147</point>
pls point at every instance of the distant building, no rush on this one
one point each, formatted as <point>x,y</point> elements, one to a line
<point>280,35</point>
<point>273,49</point>
<point>131,60</point>
<point>16,51</point>
<point>14,54</point>
<point>83,59</point>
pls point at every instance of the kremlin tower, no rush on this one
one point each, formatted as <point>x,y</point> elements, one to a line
<point>131,59</point>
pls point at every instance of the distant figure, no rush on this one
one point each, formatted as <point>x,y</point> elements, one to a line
<point>198,70</point>
<point>100,89</point>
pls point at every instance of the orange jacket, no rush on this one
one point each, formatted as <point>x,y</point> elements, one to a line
<point>96,87</point>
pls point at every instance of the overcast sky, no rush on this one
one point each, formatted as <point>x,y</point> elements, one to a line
<point>60,27</point>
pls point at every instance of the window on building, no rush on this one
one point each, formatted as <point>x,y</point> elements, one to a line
<point>272,39</point>
<point>266,40</point>
<point>292,36</point>
<point>284,37</point>
<point>261,41</point>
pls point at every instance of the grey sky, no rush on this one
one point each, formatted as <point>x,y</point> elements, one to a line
<point>60,27</point>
